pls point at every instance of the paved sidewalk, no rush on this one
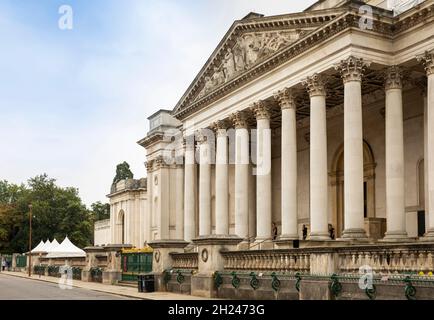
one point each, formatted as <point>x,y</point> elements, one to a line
<point>117,290</point>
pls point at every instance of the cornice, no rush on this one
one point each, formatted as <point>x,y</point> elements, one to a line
<point>331,22</point>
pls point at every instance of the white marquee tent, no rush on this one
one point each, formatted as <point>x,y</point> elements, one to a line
<point>40,248</point>
<point>65,250</point>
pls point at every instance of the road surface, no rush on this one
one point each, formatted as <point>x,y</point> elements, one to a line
<point>15,288</point>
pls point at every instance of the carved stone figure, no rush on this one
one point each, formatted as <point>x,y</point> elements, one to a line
<point>239,55</point>
<point>229,65</point>
<point>218,77</point>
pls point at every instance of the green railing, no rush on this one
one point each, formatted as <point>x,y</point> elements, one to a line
<point>408,282</point>
<point>21,261</point>
<point>134,264</point>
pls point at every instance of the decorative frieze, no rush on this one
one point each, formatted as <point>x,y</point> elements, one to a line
<point>393,77</point>
<point>260,110</point>
<point>286,98</point>
<point>352,68</point>
<point>315,85</point>
<point>427,60</point>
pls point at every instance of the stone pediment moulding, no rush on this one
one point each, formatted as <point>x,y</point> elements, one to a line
<point>331,23</point>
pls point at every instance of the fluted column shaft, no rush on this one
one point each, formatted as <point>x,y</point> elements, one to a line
<point>205,187</point>
<point>241,175</point>
<point>222,181</point>
<point>180,202</point>
<point>352,70</point>
<point>189,195</point>
<point>289,165</point>
<point>395,189</point>
<point>318,158</point>
<point>263,172</point>
<point>427,60</point>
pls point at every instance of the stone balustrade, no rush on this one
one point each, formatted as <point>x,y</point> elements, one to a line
<point>388,260</point>
<point>185,260</point>
<point>267,260</point>
<point>381,258</point>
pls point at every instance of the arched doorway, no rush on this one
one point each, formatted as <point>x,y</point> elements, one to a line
<point>337,187</point>
<point>120,227</point>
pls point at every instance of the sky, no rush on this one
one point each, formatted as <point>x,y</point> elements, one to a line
<point>74,102</point>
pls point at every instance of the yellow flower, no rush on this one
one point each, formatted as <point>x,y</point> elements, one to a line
<point>430,274</point>
<point>421,273</point>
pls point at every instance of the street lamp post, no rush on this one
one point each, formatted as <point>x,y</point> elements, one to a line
<point>30,240</point>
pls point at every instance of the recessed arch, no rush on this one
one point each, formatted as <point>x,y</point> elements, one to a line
<point>337,185</point>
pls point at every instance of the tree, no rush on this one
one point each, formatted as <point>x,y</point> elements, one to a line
<point>123,172</point>
<point>100,211</point>
<point>57,212</point>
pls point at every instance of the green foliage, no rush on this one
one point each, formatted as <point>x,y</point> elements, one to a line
<point>100,211</point>
<point>57,212</point>
<point>123,172</point>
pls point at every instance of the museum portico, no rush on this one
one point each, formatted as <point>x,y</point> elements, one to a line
<point>338,124</point>
<point>307,130</point>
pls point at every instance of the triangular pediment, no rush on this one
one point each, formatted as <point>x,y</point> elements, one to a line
<point>247,44</point>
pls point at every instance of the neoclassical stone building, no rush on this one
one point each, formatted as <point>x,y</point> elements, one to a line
<point>338,104</point>
<point>315,126</point>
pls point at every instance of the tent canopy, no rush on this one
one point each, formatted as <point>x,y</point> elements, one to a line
<point>39,248</point>
<point>66,250</point>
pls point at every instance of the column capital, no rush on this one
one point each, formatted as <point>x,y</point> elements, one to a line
<point>260,110</point>
<point>393,77</point>
<point>149,165</point>
<point>203,135</point>
<point>352,68</point>
<point>239,120</point>
<point>427,60</point>
<point>220,127</point>
<point>315,85</point>
<point>161,162</point>
<point>285,98</point>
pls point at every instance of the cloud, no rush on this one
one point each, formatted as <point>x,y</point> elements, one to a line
<point>74,104</point>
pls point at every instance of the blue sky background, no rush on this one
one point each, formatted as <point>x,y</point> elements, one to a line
<point>73,103</point>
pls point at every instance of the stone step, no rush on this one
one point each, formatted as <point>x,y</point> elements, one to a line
<point>132,284</point>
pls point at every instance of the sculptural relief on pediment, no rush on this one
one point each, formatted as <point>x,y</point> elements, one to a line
<point>248,50</point>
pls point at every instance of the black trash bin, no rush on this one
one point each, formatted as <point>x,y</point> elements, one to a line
<point>140,283</point>
<point>149,283</point>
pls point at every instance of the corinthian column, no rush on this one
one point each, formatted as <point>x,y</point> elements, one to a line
<point>427,59</point>
<point>351,71</point>
<point>189,187</point>
<point>318,158</point>
<point>395,189</point>
<point>222,179</point>
<point>289,165</point>
<point>241,175</point>
<point>263,172</point>
<point>204,183</point>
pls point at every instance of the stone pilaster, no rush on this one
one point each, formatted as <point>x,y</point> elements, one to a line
<point>318,158</point>
<point>289,164</point>
<point>189,190</point>
<point>204,184</point>
<point>263,172</point>
<point>351,70</point>
<point>395,188</point>
<point>222,178</point>
<point>239,120</point>
<point>427,59</point>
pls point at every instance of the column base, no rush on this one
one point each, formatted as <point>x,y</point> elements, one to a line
<point>319,236</point>
<point>354,234</point>
<point>262,244</point>
<point>395,236</point>
<point>288,237</point>
<point>429,236</point>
